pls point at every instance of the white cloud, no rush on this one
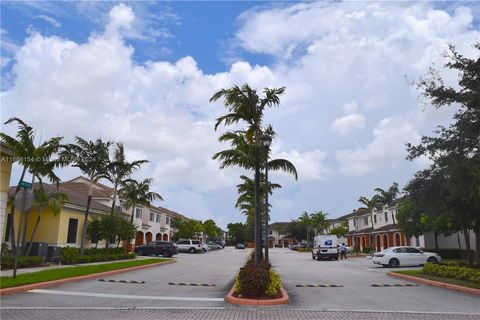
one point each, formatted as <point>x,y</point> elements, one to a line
<point>310,165</point>
<point>387,148</point>
<point>351,121</point>
<point>48,19</point>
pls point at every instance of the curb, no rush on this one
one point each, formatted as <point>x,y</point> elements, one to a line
<point>27,287</point>
<point>435,283</point>
<point>256,302</point>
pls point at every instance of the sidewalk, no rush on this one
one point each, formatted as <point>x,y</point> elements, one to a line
<point>9,273</point>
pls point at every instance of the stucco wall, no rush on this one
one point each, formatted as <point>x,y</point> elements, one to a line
<point>5,171</point>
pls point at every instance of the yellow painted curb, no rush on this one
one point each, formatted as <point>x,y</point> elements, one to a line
<point>435,283</point>
<point>27,287</point>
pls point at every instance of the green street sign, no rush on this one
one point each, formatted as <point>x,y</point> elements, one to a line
<point>25,184</point>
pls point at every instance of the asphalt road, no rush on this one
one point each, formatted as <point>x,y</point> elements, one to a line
<point>156,299</point>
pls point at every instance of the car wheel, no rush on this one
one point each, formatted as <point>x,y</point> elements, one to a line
<point>192,250</point>
<point>393,263</point>
<point>336,258</point>
<point>166,254</point>
<point>313,256</point>
<point>318,257</point>
<point>140,252</point>
<point>432,260</point>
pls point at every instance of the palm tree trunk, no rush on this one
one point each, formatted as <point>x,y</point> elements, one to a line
<point>85,221</point>
<point>258,236</point>
<point>458,240</point>
<point>374,244</point>
<point>466,235</point>
<point>12,213</point>
<point>34,231</point>
<point>114,198</point>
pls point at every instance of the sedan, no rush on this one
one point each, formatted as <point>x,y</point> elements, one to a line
<point>404,256</point>
<point>239,246</point>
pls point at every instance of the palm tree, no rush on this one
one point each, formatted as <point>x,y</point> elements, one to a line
<point>319,221</point>
<point>91,157</point>
<point>53,201</point>
<point>371,204</point>
<point>119,169</point>
<point>138,193</point>
<point>27,155</point>
<point>386,198</point>
<point>306,220</point>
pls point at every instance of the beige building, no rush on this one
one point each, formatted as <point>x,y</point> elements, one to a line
<point>6,161</point>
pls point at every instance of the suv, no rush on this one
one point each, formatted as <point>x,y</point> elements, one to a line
<point>164,248</point>
<point>191,246</point>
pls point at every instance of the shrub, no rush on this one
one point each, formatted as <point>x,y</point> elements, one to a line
<point>69,255</point>
<point>4,250</point>
<point>453,272</point>
<point>304,250</point>
<point>367,250</point>
<point>254,279</point>
<point>8,261</point>
<point>449,253</point>
<point>274,285</point>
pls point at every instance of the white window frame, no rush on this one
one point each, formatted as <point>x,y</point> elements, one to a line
<point>151,216</point>
<point>167,221</point>
<point>365,221</point>
<point>157,218</point>
<point>386,216</point>
<point>138,213</point>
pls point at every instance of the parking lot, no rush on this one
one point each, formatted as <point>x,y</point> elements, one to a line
<point>202,280</point>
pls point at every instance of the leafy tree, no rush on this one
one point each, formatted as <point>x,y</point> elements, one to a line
<point>454,150</point>
<point>297,230</point>
<point>306,221</point>
<point>238,232</point>
<point>210,229</point>
<point>187,228</point>
<point>126,230</point>
<point>341,230</point>
<point>94,230</point>
<point>109,226</point>
<point>91,157</point>
<point>371,204</point>
<point>119,169</point>
<point>386,198</point>
<point>319,221</point>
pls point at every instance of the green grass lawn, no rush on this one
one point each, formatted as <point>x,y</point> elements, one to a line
<point>62,273</point>
<point>420,274</point>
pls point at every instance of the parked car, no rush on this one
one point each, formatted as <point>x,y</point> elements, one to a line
<point>325,247</point>
<point>404,256</point>
<point>220,243</point>
<point>191,246</point>
<point>164,248</point>
<point>214,246</point>
<point>297,246</point>
<point>240,246</point>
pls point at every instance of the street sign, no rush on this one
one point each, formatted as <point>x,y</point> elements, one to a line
<point>24,199</point>
<point>25,184</point>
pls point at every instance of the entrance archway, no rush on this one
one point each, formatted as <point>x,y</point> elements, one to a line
<point>158,237</point>
<point>397,239</point>
<point>165,237</point>
<point>363,242</point>
<point>377,243</point>
<point>385,241</point>
<point>148,237</point>
<point>139,238</point>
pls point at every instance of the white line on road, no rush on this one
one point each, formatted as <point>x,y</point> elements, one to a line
<point>124,296</point>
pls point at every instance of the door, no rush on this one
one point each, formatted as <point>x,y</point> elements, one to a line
<point>415,256</point>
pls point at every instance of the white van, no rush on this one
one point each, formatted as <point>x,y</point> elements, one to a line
<point>325,247</point>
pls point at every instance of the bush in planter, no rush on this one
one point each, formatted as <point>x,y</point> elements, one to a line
<point>253,280</point>
<point>449,253</point>
<point>274,285</point>
<point>7,262</point>
<point>453,272</point>
<point>69,255</point>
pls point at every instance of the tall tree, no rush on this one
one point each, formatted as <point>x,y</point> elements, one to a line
<point>119,169</point>
<point>454,150</point>
<point>210,229</point>
<point>306,221</point>
<point>387,197</point>
<point>138,193</point>
<point>91,157</point>
<point>319,221</point>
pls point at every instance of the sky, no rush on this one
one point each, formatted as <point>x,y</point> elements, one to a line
<point>142,73</point>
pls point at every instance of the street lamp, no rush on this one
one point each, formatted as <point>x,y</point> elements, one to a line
<point>266,141</point>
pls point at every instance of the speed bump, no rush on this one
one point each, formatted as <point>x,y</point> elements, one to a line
<point>395,285</point>
<point>121,281</point>
<point>191,284</point>
<point>319,285</point>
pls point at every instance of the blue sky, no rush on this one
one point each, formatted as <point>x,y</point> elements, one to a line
<point>143,72</point>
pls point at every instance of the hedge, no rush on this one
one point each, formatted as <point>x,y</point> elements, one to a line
<point>70,255</point>
<point>7,262</point>
<point>257,280</point>
<point>450,253</point>
<point>452,272</point>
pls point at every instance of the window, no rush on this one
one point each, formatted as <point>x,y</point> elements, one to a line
<point>157,218</point>
<point>412,250</point>
<point>375,218</point>
<point>270,232</point>
<point>167,221</point>
<point>183,242</point>
<point>195,242</point>
<point>365,221</point>
<point>72,230</point>
<point>138,213</point>
<point>152,216</point>
<point>386,216</point>
<point>400,250</point>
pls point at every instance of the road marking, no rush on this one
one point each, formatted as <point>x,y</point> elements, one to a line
<point>124,296</point>
<point>395,285</point>
<point>121,281</point>
<point>191,284</point>
<point>319,285</point>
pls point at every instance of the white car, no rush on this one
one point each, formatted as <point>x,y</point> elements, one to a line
<point>404,256</point>
<point>191,246</point>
